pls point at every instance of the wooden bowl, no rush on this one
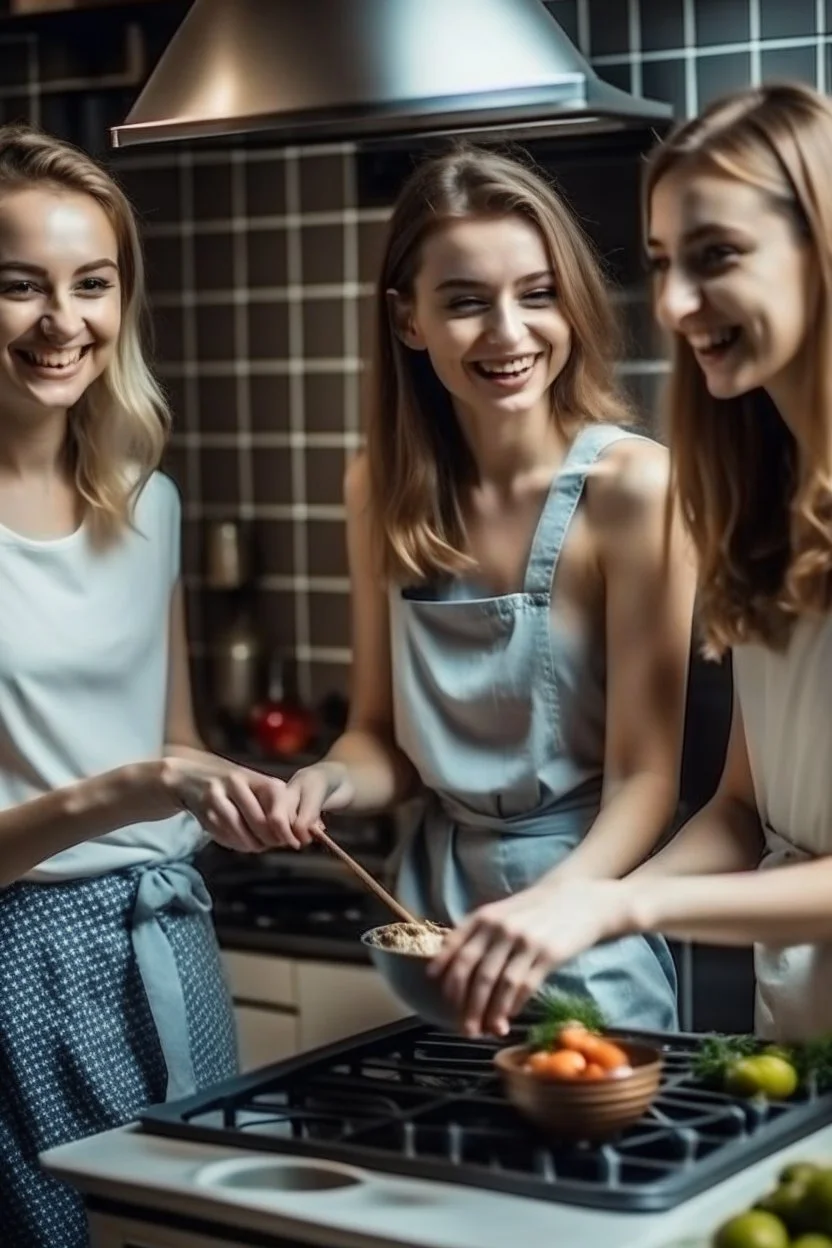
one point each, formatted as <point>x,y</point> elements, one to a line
<point>576,1109</point>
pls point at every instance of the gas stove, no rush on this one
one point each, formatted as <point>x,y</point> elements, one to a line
<point>281,910</point>
<point>412,1101</point>
<point>402,1137</point>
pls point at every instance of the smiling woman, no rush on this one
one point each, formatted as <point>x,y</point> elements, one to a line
<point>111,994</point>
<point>522,611</point>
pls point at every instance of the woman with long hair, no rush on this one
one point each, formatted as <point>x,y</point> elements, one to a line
<point>521,613</point>
<point>111,991</point>
<point>738,206</point>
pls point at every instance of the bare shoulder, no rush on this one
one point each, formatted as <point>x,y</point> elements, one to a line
<point>628,486</point>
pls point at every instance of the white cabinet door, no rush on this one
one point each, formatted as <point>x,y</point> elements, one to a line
<point>260,977</point>
<point>264,1036</point>
<point>337,999</point>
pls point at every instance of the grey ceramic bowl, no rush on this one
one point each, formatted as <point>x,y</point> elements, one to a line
<point>407,976</point>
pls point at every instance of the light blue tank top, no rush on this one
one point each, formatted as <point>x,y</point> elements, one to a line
<point>501,708</point>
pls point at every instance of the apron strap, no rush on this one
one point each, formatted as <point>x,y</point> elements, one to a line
<point>562,500</point>
<point>169,886</point>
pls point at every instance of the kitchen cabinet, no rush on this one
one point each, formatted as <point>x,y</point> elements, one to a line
<point>337,1000</point>
<point>264,1036</point>
<point>284,1006</point>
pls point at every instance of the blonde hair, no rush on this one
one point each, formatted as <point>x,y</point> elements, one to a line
<point>419,462</point>
<point>758,504</point>
<point>118,429</point>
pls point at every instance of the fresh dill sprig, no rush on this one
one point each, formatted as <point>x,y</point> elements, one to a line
<point>557,1009</point>
<point>718,1053</point>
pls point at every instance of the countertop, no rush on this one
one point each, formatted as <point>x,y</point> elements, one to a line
<point>220,1186</point>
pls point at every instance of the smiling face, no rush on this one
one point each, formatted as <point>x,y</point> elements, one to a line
<point>485,308</point>
<point>60,301</point>
<point>733,278</point>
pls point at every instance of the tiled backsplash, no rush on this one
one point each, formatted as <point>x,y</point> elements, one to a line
<point>261,262</point>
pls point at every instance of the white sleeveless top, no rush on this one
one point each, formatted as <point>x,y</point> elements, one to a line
<point>787,714</point>
<point>83,673</point>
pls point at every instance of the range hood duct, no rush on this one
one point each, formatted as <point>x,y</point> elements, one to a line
<point>307,71</point>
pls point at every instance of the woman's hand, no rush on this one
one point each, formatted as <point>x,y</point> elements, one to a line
<point>240,809</point>
<point>311,791</point>
<point>498,958</point>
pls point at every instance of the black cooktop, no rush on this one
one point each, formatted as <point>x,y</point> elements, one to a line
<point>292,914</point>
<point>409,1100</point>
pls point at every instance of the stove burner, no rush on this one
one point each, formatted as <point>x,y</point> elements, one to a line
<point>407,1100</point>
<point>291,905</point>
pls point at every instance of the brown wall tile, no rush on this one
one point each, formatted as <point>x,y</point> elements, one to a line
<point>272,474</point>
<point>323,328</point>
<point>266,258</point>
<point>217,404</point>
<point>327,548</point>
<point>323,183</point>
<point>269,403</point>
<point>325,474</point>
<point>214,262</point>
<point>322,254</point>
<point>212,192</point>
<point>268,331</point>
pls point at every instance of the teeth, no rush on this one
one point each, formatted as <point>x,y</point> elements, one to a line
<point>57,359</point>
<point>507,368</point>
<point>716,338</point>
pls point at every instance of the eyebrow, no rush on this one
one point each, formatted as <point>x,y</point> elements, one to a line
<point>701,231</point>
<point>22,266</point>
<point>468,283</point>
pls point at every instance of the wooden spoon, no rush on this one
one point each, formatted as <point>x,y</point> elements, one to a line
<point>398,909</point>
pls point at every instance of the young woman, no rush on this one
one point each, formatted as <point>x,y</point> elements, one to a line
<point>521,629</point>
<point>739,212</point>
<point>111,994</point>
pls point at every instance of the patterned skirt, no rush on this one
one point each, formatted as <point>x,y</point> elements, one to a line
<point>112,998</point>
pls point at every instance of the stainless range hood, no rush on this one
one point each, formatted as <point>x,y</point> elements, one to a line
<point>305,71</point>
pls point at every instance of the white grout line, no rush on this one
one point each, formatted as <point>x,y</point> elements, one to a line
<point>634,39</point>
<point>282,440</point>
<point>820,47</point>
<point>271,221</point>
<point>242,393</point>
<point>262,294</point>
<point>304,654</point>
<point>33,95</point>
<point>190,410</point>
<point>754,41</point>
<point>297,417</point>
<point>283,584</point>
<point>293,367</point>
<point>689,53</point>
<point>584,37</point>
<point>252,156</point>
<point>357,289</point>
<point>269,511</point>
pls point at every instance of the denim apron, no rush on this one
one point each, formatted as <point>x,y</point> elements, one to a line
<point>500,706</point>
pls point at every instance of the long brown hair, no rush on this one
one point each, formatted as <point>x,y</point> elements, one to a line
<point>419,461</point>
<point>758,504</point>
<point>118,429</point>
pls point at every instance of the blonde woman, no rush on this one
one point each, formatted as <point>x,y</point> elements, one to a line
<point>739,234</point>
<point>521,628</point>
<point>111,994</point>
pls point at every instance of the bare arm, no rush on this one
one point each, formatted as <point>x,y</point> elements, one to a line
<point>725,835</point>
<point>649,577</point>
<point>364,771</point>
